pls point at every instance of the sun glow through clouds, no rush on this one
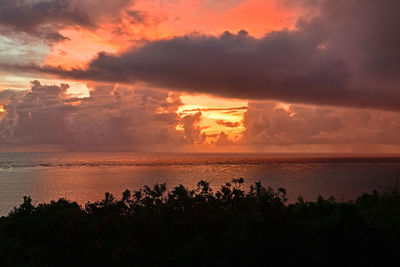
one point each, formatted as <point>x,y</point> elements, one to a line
<point>218,115</point>
<point>285,107</point>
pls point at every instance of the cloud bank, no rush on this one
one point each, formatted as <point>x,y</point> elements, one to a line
<point>344,54</point>
<point>120,118</point>
<point>268,124</point>
<point>111,118</point>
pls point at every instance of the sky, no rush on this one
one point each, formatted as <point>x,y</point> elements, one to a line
<point>290,76</point>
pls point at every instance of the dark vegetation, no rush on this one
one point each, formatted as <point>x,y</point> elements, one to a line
<point>153,227</point>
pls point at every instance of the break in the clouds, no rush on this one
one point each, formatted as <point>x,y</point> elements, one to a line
<point>45,18</point>
<point>345,54</point>
<point>120,118</point>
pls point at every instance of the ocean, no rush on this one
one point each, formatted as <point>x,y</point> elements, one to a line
<point>84,177</point>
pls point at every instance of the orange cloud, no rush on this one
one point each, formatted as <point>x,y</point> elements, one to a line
<point>167,19</point>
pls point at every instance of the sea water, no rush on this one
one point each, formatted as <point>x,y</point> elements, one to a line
<point>84,177</point>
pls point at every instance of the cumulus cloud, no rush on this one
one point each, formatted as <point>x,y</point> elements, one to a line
<point>9,95</point>
<point>111,118</point>
<point>38,116</point>
<point>223,140</point>
<point>120,118</point>
<point>344,54</point>
<point>192,131</point>
<point>268,124</point>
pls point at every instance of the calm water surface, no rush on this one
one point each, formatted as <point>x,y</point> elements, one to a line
<point>86,177</point>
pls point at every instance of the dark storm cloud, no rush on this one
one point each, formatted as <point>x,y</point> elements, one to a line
<point>44,18</point>
<point>34,16</point>
<point>345,54</point>
<point>28,15</point>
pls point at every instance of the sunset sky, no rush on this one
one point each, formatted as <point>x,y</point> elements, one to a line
<point>200,75</point>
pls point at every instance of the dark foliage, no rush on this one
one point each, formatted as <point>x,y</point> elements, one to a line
<point>153,227</point>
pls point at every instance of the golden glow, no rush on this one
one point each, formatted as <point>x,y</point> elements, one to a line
<point>260,17</point>
<point>217,115</point>
<point>76,88</point>
<point>82,46</point>
<point>171,18</point>
<point>2,109</point>
<point>214,17</point>
<point>75,103</point>
<point>285,107</point>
